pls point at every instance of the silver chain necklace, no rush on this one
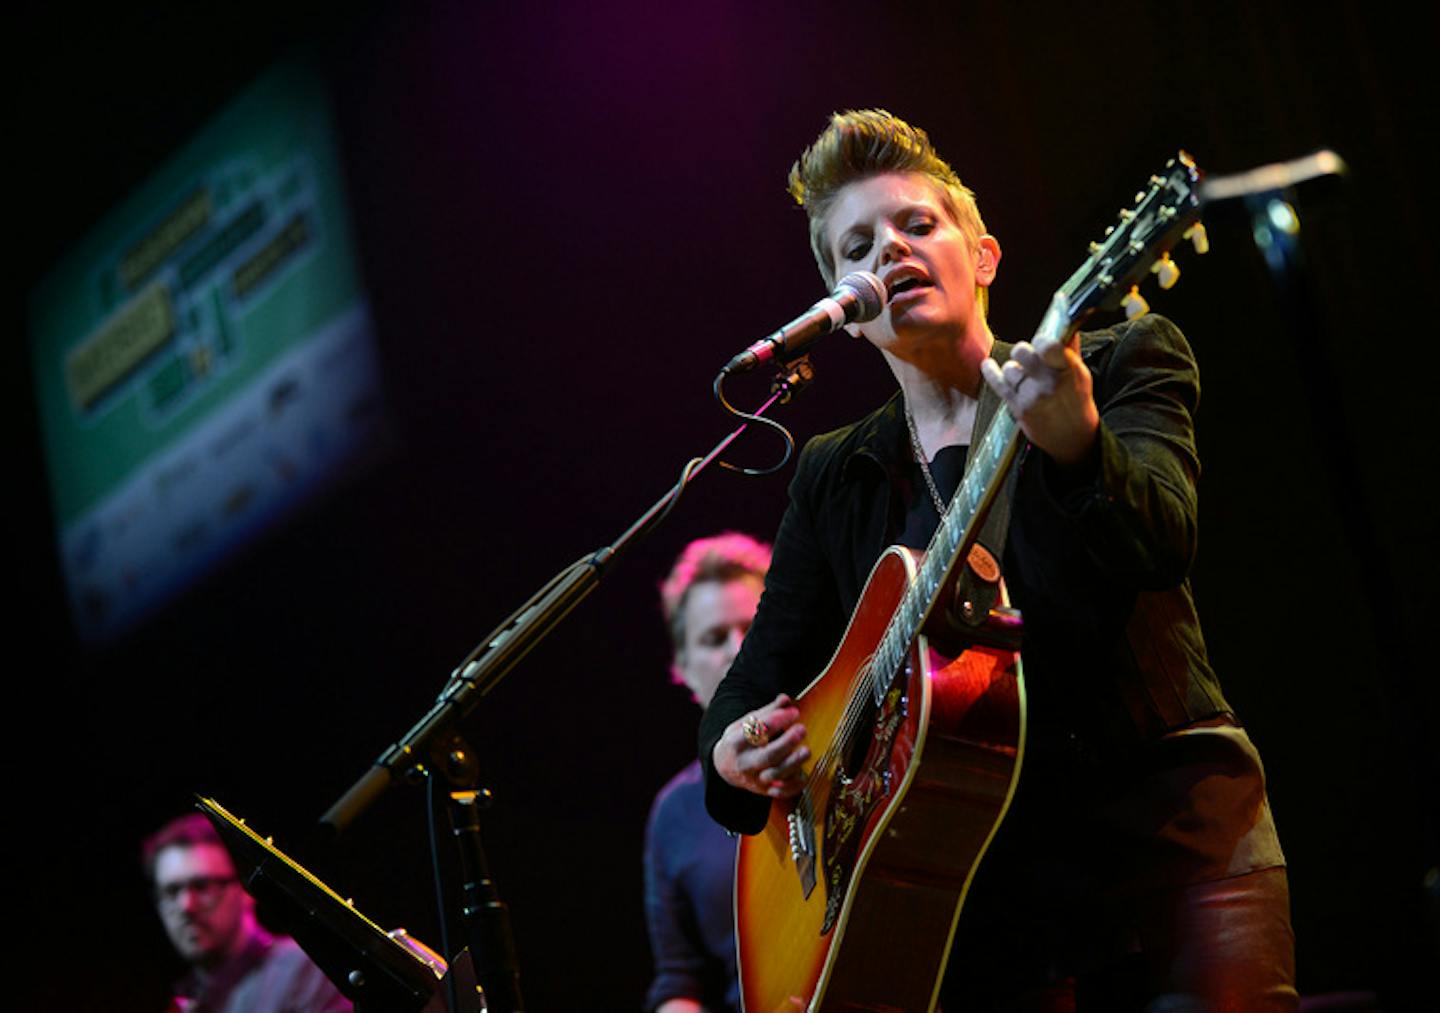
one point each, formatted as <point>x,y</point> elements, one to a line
<point>919,453</point>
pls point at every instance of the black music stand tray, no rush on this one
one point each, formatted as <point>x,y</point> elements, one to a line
<point>373,970</point>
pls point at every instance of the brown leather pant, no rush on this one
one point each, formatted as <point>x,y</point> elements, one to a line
<point>1220,947</point>
<point>1224,946</point>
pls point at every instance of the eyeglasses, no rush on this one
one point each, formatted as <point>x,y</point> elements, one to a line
<point>207,890</point>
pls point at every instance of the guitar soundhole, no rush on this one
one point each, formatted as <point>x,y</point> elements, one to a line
<point>864,783</point>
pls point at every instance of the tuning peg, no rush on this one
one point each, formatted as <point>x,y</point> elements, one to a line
<point>1198,237</point>
<point>1134,303</point>
<point>1166,271</point>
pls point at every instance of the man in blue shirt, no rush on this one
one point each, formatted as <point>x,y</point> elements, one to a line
<point>708,600</point>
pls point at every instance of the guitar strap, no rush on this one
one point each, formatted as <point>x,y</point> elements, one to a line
<point>978,585</point>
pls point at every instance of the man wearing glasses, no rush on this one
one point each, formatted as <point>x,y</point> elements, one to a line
<point>234,964</point>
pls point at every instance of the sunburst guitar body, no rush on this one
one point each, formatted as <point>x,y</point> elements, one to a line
<point>849,897</point>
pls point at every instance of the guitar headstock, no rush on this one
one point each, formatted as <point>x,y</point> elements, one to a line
<point>1166,212</point>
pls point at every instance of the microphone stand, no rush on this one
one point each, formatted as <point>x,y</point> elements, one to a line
<point>434,745</point>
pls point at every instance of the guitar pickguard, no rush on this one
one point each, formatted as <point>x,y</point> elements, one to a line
<point>855,798</point>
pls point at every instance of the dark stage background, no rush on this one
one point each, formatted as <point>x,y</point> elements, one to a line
<point>570,216</point>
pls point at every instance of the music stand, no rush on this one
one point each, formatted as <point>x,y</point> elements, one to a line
<point>373,970</point>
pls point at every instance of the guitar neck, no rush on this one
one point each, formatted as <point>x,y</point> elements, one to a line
<point>1136,246</point>
<point>988,468</point>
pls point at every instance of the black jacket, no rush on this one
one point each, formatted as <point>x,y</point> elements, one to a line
<point>1113,651</point>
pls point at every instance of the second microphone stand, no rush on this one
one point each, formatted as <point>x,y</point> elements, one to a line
<point>433,746</point>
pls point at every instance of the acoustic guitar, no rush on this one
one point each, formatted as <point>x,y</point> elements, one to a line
<point>848,899</point>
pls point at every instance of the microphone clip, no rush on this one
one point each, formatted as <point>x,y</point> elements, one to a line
<point>793,377</point>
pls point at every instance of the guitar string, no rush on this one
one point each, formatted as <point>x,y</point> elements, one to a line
<point>959,514</point>
<point>856,702</point>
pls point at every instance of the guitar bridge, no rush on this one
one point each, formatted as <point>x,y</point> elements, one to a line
<point>802,847</point>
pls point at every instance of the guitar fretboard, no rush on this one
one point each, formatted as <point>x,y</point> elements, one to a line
<point>988,467</point>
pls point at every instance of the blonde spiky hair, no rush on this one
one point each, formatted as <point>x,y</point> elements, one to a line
<point>858,144</point>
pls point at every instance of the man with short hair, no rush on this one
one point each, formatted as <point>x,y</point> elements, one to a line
<point>708,600</point>
<point>235,965</point>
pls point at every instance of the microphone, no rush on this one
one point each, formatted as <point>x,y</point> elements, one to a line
<point>857,298</point>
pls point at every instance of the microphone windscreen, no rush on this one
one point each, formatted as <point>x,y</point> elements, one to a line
<point>869,290</point>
